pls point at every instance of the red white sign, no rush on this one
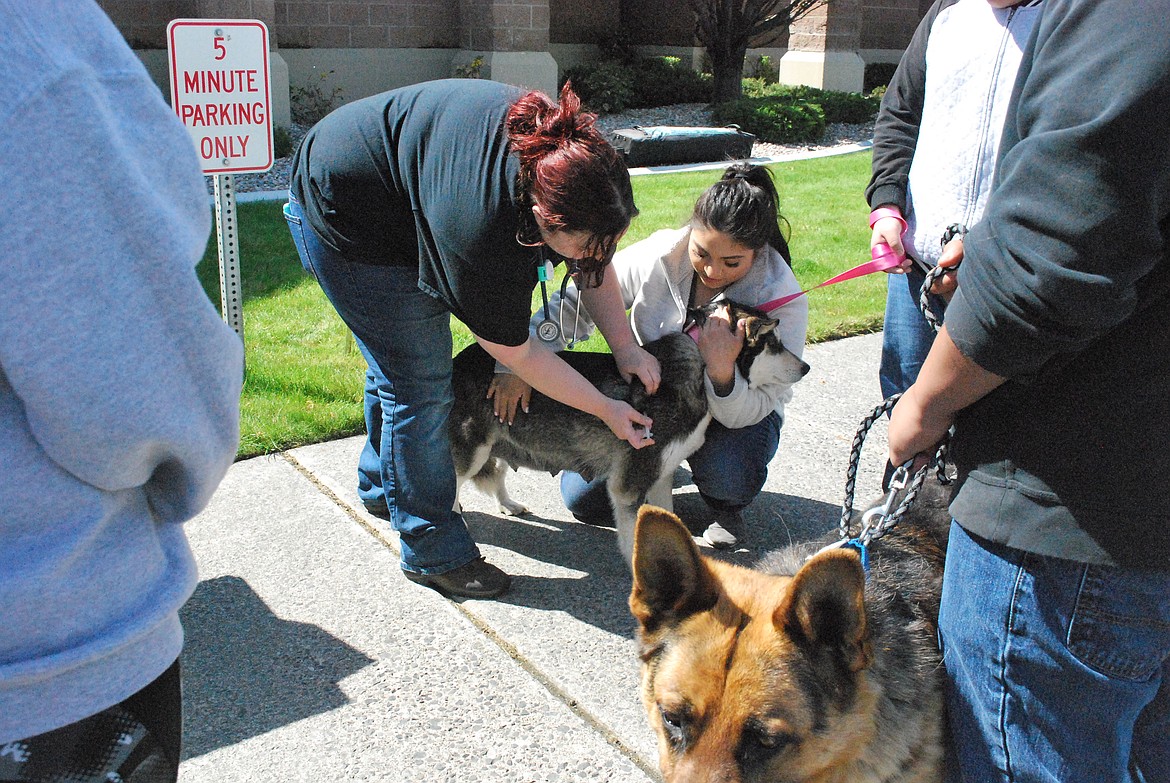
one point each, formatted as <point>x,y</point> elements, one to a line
<point>220,90</point>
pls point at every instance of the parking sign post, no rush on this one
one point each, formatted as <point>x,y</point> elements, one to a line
<point>220,89</point>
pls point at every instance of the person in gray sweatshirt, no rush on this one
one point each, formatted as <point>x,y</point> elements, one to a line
<point>119,400</point>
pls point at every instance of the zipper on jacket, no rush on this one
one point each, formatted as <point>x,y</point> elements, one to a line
<point>988,103</point>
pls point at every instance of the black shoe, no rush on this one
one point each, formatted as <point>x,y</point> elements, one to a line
<point>477,579</point>
<point>725,530</point>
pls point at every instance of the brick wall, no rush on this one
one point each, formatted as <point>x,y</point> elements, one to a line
<point>890,24</point>
<point>505,25</point>
<point>658,22</point>
<point>144,23</point>
<point>360,24</point>
<point>832,27</point>
<point>584,22</point>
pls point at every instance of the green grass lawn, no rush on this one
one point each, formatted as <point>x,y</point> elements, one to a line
<point>304,375</point>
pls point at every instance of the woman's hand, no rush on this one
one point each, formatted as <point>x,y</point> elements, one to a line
<point>946,284</point>
<point>888,230</point>
<point>634,360</point>
<point>720,346</point>
<point>628,424</point>
<point>510,393</point>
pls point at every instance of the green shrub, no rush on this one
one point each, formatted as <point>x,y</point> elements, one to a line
<point>776,120</point>
<point>661,81</point>
<point>603,87</point>
<point>878,75</point>
<point>315,99</point>
<point>838,106</point>
<point>848,107</point>
<point>471,70</point>
<point>763,69</point>
<point>282,145</point>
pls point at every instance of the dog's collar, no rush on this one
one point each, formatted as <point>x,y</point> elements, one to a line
<point>855,544</point>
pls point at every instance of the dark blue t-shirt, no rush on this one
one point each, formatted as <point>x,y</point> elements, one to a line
<point>423,175</point>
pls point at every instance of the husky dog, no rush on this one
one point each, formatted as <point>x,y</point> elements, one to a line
<point>554,437</point>
<point>801,669</point>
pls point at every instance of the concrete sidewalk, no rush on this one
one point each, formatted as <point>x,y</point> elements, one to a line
<point>310,658</point>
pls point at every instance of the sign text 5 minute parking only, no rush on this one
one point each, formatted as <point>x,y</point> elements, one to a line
<point>220,90</point>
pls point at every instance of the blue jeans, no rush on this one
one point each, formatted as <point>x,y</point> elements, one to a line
<point>729,470</point>
<point>1056,671</point>
<point>907,335</point>
<point>405,337</point>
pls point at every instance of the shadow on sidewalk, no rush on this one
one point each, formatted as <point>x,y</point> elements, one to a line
<point>247,671</point>
<point>599,594</point>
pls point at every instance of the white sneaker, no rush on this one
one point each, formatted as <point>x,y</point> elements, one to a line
<point>725,530</point>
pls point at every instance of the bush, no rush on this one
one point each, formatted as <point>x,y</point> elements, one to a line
<point>315,99</point>
<point>878,75</point>
<point>661,81</point>
<point>850,107</point>
<point>603,87</point>
<point>763,69</point>
<point>611,86</point>
<point>774,119</point>
<point>282,145</point>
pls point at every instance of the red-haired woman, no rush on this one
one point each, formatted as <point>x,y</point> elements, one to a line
<point>442,199</point>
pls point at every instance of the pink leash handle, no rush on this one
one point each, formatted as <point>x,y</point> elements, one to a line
<point>883,258</point>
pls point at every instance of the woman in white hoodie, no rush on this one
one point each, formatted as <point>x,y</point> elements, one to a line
<point>732,248</point>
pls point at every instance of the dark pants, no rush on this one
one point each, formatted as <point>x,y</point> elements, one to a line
<point>136,741</point>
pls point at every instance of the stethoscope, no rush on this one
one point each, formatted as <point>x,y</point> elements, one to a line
<point>548,330</point>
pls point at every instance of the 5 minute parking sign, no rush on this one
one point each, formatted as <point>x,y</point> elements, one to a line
<point>220,90</point>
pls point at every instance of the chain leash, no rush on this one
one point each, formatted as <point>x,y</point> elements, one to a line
<point>879,520</point>
<point>882,518</point>
<point>952,231</point>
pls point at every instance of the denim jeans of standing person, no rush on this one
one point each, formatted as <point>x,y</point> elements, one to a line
<point>405,337</point>
<point>907,335</point>
<point>1057,671</point>
<point>729,470</point>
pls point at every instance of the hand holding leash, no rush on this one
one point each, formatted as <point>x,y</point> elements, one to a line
<point>886,240</point>
<point>945,282</point>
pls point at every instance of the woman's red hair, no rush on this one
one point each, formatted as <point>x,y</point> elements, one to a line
<point>570,170</point>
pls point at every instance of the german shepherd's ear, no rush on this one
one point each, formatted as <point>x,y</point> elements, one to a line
<point>825,606</point>
<point>671,581</point>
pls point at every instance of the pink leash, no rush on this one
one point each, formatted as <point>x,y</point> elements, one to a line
<point>883,259</point>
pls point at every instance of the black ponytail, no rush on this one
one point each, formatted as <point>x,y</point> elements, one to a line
<point>744,205</point>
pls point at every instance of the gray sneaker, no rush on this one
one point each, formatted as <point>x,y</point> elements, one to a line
<point>725,530</point>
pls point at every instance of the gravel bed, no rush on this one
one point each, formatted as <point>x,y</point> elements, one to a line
<point>681,114</point>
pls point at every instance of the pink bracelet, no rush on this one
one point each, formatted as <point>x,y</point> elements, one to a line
<point>885,212</point>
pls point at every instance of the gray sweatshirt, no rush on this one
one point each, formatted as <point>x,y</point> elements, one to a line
<point>119,384</point>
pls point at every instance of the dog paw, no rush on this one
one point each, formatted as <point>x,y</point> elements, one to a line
<point>512,508</point>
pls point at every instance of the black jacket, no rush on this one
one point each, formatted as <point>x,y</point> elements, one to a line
<point>1065,290</point>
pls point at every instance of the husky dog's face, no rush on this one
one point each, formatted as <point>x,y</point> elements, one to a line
<point>746,676</point>
<point>763,358</point>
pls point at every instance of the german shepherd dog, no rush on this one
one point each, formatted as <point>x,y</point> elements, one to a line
<point>803,669</point>
<point>555,437</point>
